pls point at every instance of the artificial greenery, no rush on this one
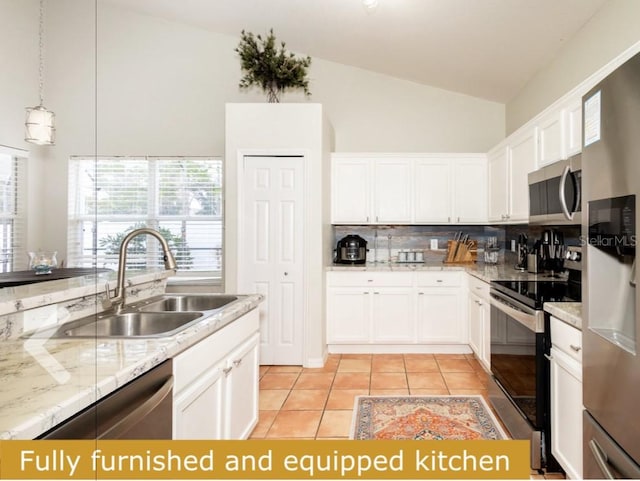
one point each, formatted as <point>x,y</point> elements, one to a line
<point>271,68</point>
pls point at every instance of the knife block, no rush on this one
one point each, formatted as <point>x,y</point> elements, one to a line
<point>461,252</point>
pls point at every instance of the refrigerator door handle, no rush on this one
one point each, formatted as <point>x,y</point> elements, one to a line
<point>632,281</point>
<point>601,459</point>
<point>563,200</point>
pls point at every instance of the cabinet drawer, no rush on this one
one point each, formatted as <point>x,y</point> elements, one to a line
<point>479,287</point>
<point>361,278</point>
<point>566,338</point>
<point>439,279</point>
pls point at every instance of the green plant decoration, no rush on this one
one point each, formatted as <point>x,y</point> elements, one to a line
<point>271,68</point>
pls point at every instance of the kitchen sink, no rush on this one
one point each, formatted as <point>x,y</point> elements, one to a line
<point>187,302</point>
<point>129,324</point>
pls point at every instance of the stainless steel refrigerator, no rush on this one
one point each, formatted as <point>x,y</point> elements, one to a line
<point>611,313</point>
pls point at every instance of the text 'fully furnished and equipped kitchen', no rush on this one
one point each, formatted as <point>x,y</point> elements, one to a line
<point>437,205</point>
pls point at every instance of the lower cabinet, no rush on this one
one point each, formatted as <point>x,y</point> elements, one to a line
<point>395,308</point>
<point>216,384</point>
<point>479,315</point>
<point>566,397</point>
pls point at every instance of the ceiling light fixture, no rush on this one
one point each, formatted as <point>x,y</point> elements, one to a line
<point>39,125</point>
<point>370,5</point>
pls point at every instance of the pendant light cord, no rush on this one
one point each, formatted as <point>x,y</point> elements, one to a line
<point>41,53</point>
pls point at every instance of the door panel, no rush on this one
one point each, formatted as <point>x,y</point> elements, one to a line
<point>272,232</point>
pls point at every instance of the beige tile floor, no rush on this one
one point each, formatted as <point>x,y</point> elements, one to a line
<point>318,403</point>
<point>299,403</point>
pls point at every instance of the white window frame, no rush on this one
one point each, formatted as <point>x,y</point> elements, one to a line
<point>152,218</point>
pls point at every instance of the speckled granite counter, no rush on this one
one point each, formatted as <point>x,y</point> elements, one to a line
<point>46,381</point>
<point>569,312</point>
<point>486,272</point>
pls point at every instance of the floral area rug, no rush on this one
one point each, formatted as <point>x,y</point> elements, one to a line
<point>424,418</point>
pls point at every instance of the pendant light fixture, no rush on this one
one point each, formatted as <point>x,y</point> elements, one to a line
<point>40,123</point>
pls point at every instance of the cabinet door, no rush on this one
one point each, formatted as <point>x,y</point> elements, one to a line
<point>470,191</point>
<point>348,315</point>
<point>440,318</point>
<point>241,390</point>
<point>351,191</point>
<point>197,411</point>
<point>551,138</point>
<point>432,184</point>
<point>485,307</point>
<point>498,171</point>
<point>522,160</point>
<point>393,191</point>
<point>392,315</point>
<point>566,413</point>
<point>573,128</point>
<point>475,325</point>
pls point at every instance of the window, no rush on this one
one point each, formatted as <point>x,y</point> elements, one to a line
<point>181,197</point>
<point>13,249</point>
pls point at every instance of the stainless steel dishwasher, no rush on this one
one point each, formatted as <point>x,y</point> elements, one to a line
<point>141,409</point>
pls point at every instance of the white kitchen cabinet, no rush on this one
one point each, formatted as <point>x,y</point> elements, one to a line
<point>408,189</point>
<point>440,318</point>
<point>498,173</point>
<point>197,410</point>
<point>348,315</point>
<point>522,160</point>
<point>551,133</point>
<point>469,191</point>
<point>566,397</point>
<point>479,320</point>
<point>241,377</point>
<point>215,392</point>
<point>433,191</point>
<point>509,166</point>
<point>573,132</point>
<point>392,317</point>
<point>395,308</point>
<point>350,191</point>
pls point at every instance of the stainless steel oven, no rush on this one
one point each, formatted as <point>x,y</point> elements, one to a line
<point>520,339</point>
<point>519,371</point>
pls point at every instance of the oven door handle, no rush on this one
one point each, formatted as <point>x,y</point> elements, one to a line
<point>530,318</point>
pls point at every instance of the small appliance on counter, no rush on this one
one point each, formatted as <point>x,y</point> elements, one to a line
<point>351,249</point>
<point>522,251</point>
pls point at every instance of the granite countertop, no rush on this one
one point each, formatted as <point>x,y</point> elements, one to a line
<point>46,381</point>
<point>485,272</point>
<point>569,312</point>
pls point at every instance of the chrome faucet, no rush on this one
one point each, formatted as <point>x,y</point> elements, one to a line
<point>169,263</point>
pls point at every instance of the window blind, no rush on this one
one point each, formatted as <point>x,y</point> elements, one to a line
<point>181,197</point>
<point>13,249</point>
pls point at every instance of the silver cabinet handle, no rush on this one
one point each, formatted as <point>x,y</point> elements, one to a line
<point>366,292</point>
<point>458,219</point>
<point>439,280</point>
<point>448,219</point>
<point>367,219</point>
<point>478,287</point>
<point>286,273</point>
<point>479,303</point>
<point>376,292</point>
<point>548,357</point>
<point>227,370</point>
<point>421,293</point>
<point>237,362</point>
<point>575,348</point>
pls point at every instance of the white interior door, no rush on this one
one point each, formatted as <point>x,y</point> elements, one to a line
<point>270,258</point>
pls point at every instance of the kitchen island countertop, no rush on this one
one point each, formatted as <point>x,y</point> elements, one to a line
<point>46,381</point>
<point>569,312</point>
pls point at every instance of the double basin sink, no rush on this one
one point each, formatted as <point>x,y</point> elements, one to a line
<point>160,316</point>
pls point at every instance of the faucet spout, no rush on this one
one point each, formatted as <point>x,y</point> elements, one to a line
<point>169,261</point>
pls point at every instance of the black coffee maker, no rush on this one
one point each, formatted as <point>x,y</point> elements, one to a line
<point>351,249</point>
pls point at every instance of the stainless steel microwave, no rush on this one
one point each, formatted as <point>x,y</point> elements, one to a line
<point>554,193</point>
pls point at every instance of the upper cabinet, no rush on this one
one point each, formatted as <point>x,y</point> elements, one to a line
<point>509,166</point>
<point>560,132</point>
<point>401,189</point>
<point>573,126</point>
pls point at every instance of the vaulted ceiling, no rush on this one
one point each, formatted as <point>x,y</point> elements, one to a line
<point>484,48</point>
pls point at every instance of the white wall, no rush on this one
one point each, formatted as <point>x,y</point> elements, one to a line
<point>610,32</point>
<point>160,88</point>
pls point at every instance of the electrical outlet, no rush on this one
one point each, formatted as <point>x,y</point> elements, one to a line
<point>513,245</point>
<point>434,244</point>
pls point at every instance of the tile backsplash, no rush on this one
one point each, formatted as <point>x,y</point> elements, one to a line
<point>383,241</point>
